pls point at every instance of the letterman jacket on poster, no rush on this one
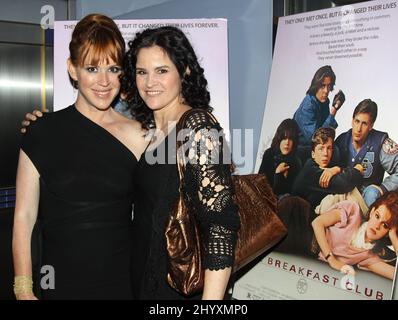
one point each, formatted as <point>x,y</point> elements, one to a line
<point>378,155</point>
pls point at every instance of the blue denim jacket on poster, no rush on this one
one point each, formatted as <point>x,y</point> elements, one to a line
<point>311,115</point>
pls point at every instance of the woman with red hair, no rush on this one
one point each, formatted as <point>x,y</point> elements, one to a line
<point>345,238</point>
<point>67,168</point>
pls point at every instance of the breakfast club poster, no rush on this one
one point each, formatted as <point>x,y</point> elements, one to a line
<point>359,43</point>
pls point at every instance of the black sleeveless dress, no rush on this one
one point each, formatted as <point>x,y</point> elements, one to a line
<point>86,191</point>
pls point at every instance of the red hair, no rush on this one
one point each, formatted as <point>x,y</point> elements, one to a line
<point>96,38</point>
<point>390,200</point>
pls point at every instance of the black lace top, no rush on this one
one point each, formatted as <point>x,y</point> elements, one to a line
<point>209,186</point>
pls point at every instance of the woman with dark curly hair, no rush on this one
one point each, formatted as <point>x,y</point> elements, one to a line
<point>176,46</point>
<point>162,81</point>
<point>280,163</point>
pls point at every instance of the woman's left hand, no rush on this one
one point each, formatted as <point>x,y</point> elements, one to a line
<point>393,234</point>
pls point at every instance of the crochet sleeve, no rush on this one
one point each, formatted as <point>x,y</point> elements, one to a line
<point>209,186</point>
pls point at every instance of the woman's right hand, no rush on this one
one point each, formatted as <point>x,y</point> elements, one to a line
<point>282,168</point>
<point>30,117</point>
<point>393,235</point>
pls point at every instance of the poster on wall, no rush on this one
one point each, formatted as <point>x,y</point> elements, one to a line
<point>333,68</point>
<point>207,36</point>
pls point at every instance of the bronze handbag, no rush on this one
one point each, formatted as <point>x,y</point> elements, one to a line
<point>260,228</point>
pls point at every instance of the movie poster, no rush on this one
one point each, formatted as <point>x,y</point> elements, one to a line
<point>358,43</point>
<point>207,36</point>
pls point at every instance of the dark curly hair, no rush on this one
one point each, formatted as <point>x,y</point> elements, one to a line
<point>288,129</point>
<point>178,48</point>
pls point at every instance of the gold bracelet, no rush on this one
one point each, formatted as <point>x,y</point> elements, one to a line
<point>23,284</point>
